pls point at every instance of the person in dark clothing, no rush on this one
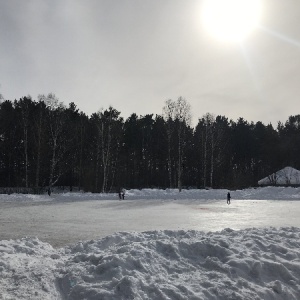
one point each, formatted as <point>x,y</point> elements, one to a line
<point>123,194</point>
<point>228,198</point>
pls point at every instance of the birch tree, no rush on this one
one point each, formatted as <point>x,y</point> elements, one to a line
<point>169,117</point>
<point>55,118</point>
<point>213,143</point>
<point>183,116</point>
<point>207,136</point>
<point>23,106</point>
<point>179,113</point>
<point>39,128</point>
<point>108,126</point>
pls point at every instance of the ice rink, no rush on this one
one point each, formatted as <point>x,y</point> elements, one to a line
<point>66,222</point>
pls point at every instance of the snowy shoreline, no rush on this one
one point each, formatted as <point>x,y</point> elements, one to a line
<point>261,193</point>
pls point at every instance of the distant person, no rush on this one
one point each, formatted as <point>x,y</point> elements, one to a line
<point>123,194</point>
<point>228,198</point>
<point>120,195</point>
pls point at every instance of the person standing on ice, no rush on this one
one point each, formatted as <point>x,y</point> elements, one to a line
<point>228,198</point>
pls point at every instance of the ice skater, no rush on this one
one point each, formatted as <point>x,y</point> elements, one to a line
<point>228,198</point>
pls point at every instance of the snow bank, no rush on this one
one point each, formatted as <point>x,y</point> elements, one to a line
<point>28,270</point>
<point>287,175</point>
<point>262,193</point>
<point>246,264</point>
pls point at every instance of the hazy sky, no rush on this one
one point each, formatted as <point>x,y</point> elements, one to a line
<point>135,54</point>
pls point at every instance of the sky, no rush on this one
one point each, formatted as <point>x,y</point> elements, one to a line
<point>136,54</point>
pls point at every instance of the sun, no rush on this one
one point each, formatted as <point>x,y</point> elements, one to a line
<point>231,20</point>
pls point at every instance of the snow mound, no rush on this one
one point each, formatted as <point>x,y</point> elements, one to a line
<point>27,270</point>
<point>285,176</point>
<point>246,264</point>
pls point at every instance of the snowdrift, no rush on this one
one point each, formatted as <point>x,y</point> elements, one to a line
<point>285,176</point>
<point>246,264</point>
<point>261,193</point>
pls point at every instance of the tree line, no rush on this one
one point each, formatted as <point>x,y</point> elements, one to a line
<point>44,144</point>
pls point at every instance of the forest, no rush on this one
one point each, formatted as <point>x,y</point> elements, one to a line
<point>45,144</point>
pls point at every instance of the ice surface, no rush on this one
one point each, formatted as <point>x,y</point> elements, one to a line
<point>67,218</point>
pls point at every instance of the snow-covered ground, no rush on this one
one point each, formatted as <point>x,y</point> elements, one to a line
<point>154,245</point>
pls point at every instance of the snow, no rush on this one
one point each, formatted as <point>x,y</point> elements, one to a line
<point>285,176</point>
<point>170,261</point>
<point>265,193</point>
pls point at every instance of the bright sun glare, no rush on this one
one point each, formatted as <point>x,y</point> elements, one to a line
<point>231,20</point>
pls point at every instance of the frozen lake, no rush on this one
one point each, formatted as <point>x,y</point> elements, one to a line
<point>61,223</point>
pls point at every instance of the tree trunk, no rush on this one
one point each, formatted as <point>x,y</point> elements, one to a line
<point>205,158</point>
<point>179,158</point>
<point>169,161</point>
<point>39,144</point>
<point>26,155</point>
<point>212,161</point>
<point>80,158</point>
<point>97,165</point>
<point>105,154</point>
<point>25,119</point>
<point>52,164</point>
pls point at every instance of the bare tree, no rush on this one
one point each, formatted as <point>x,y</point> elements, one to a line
<point>81,135</point>
<point>213,143</point>
<point>207,145</point>
<point>169,117</point>
<point>55,116</point>
<point>105,128</point>
<point>177,112</point>
<point>107,124</point>
<point>183,115</point>
<point>23,106</point>
<point>39,124</point>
